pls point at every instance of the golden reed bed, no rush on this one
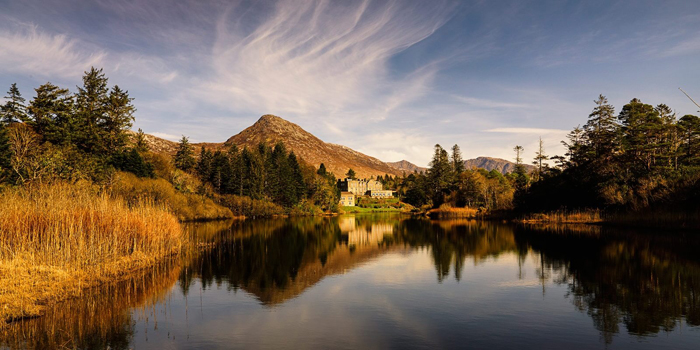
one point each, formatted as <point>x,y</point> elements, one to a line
<point>56,240</point>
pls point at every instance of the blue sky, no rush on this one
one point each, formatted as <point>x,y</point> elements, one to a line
<point>387,78</point>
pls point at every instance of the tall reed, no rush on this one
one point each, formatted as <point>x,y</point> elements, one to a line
<point>58,239</point>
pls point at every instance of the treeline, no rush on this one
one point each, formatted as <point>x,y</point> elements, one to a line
<point>448,182</point>
<point>61,137</point>
<point>264,174</point>
<point>642,157</point>
<point>70,136</point>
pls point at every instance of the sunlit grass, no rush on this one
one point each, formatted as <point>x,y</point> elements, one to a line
<point>565,217</point>
<point>56,240</point>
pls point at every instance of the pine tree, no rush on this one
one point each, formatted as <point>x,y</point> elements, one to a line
<point>14,110</point>
<point>322,170</point>
<point>540,156</point>
<point>601,129</point>
<point>141,144</point>
<point>118,118</point>
<point>51,113</point>
<point>184,158</point>
<point>204,164</point>
<point>457,161</point>
<point>641,127</point>
<point>521,178</point>
<point>351,174</point>
<point>689,128</point>
<point>91,107</point>
<point>440,175</point>
<point>234,181</point>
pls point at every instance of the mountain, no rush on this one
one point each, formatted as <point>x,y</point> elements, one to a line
<point>338,159</point>
<point>488,163</point>
<point>406,166</point>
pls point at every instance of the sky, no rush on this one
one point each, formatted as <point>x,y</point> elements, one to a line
<point>387,78</point>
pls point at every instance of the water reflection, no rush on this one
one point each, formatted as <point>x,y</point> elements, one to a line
<point>634,283</point>
<point>100,319</point>
<point>646,281</point>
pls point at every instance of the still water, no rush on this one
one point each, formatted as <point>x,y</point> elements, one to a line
<point>390,281</point>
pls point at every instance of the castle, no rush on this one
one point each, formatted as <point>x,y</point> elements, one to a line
<point>350,188</point>
<point>359,187</point>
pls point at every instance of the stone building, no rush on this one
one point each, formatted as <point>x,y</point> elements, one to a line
<point>381,194</point>
<point>347,199</point>
<point>359,187</point>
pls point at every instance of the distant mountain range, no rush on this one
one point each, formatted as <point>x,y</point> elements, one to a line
<point>338,159</point>
<point>488,163</point>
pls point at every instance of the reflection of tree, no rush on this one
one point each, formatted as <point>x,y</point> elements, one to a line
<point>648,283</point>
<point>452,241</point>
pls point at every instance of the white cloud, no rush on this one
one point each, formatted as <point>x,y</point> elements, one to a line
<point>26,49</point>
<point>319,58</point>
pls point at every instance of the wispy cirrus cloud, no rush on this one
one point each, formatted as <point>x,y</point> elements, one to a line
<point>27,49</point>
<point>319,58</point>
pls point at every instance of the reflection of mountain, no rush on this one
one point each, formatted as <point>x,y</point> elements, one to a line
<point>277,262</point>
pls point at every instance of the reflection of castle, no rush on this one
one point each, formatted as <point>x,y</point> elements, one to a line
<point>364,235</point>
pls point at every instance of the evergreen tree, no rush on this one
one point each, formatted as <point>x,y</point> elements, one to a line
<point>521,178</point>
<point>689,129</point>
<point>14,110</point>
<point>540,156</point>
<point>601,129</point>
<point>440,175</point>
<point>235,183</point>
<point>91,108</point>
<point>641,127</point>
<point>140,144</point>
<point>351,174</point>
<point>322,170</point>
<point>297,180</point>
<point>204,165</point>
<point>51,114</point>
<point>457,161</point>
<point>184,158</point>
<point>118,118</point>
<point>130,160</point>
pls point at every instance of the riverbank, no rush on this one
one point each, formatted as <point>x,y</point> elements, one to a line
<point>680,219</point>
<point>58,240</point>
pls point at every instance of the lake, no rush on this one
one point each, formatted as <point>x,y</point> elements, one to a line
<point>391,281</point>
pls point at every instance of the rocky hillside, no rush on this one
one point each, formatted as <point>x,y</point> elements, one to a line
<point>488,163</point>
<point>407,167</point>
<point>337,159</point>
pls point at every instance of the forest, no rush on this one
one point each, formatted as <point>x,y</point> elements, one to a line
<point>643,162</point>
<point>644,158</point>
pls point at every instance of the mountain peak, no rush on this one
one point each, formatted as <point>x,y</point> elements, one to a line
<point>270,129</point>
<point>269,118</point>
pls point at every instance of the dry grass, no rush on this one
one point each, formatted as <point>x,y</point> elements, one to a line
<point>57,240</point>
<point>187,206</point>
<point>448,212</point>
<point>565,217</point>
